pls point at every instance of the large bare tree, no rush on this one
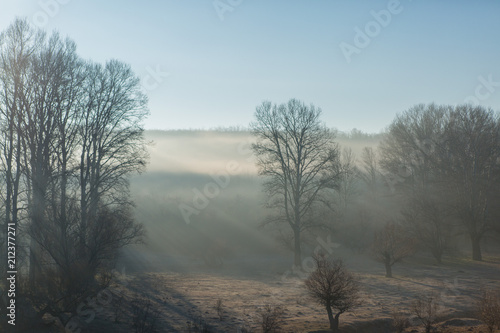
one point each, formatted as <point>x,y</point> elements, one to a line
<point>18,44</point>
<point>299,158</point>
<point>111,138</point>
<point>470,164</point>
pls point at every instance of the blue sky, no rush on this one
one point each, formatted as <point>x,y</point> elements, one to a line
<point>222,64</point>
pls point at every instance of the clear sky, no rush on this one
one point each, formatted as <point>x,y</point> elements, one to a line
<point>362,62</point>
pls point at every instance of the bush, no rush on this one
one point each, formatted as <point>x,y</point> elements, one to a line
<point>488,307</point>
<point>219,308</point>
<point>144,316</point>
<point>426,307</point>
<point>399,321</point>
<point>118,306</point>
<point>272,318</point>
<point>334,287</point>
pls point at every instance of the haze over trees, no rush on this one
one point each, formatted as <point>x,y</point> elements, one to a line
<point>70,134</point>
<point>449,156</point>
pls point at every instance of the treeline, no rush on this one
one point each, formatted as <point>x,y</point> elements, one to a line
<point>70,134</point>
<point>353,134</point>
<point>435,177</point>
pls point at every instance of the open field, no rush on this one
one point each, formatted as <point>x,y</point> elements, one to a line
<point>186,300</point>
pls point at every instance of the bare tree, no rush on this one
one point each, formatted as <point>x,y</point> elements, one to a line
<point>488,308</point>
<point>391,245</point>
<point>334,287</point>
<point>111,138</point>
<point>272,318</point>
<point>470,164</point>
<point>48,135</point>
<point>426,308</point>
<point>455,150</point>
<point>299,158</point>
<point>17,44</point>
<point>409,150</point>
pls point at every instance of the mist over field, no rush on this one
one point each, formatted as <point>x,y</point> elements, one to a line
<point>224,243</point>
<point>181,165</point>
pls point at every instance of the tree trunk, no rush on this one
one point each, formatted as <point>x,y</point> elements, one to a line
<point>437,254</point>
<point>334,321</point>
<point>476,248</point>
<point>297,251</point>
<point>388,270</point>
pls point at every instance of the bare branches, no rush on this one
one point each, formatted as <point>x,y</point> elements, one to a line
<point>426,308</point>
<point>332,286</point>
<point>451,149</point>
<point>70,135</point>
<point>391,245</point>
<point>297,155</point>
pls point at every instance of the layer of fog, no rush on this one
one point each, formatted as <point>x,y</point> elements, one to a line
<point>186,163</point>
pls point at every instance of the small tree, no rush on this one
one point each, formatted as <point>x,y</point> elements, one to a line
<point>219,307</point>
<point>488,307</point>
<point>400,321</point>
<point>391,245</point>
<point>334,287</point>
<point>272,318</point>
<point>426,308</point>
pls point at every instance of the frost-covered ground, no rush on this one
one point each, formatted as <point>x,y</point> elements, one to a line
<point>186,300</point>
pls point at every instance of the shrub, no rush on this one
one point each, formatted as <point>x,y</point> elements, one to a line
<point>272,318</point>
<point>488,307</point>
<point>219,308</point>
<point>426,308</point>
<point>144,316</point>
<point>399,321</point>
<point>334,287</point>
